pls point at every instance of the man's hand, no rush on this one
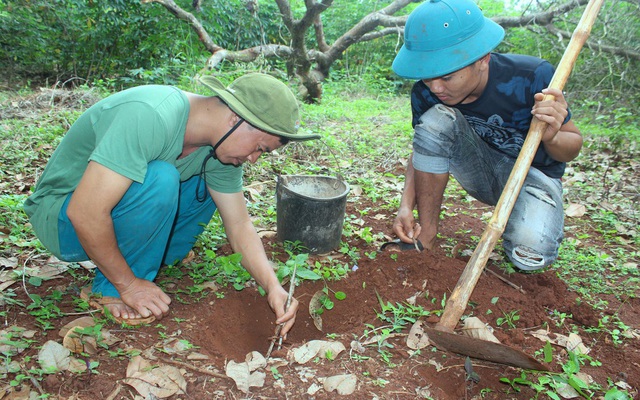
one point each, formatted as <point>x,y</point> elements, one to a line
<point>405,225</point>
<point>552,111</point>
<point>277,299</point>
<point>145,298</point>
<point>562,141</point>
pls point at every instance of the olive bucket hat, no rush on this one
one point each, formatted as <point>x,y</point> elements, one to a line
<point>264,102</point>
<point>443,36</point>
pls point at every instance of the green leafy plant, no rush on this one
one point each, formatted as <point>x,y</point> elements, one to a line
<point>510,318</point>
<point>325,301</point>
<point>399,315</point>
<point>552,384</point>
<point>44,310</point>
<point>223,270</point>
<point>275,373</point>
<point>612,325</point>
<point>559,317</point>
<point>329,355</point>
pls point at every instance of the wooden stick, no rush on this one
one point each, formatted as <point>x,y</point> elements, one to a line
<point>462,292</point>
<point>194,368</point>
<point>505,280</point>
<point>292,287</point>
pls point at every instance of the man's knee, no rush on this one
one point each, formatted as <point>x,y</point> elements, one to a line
<point>530,249</point>
<point>434,138</point>
<point>541,195</point>
<point>529,259</point>
<point>439,118</point>
<point>535,228</point>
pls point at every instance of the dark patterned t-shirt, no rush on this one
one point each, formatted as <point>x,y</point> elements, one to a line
<point>502,114</point>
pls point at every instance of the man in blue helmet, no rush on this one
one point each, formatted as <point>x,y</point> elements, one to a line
<point>471,112</point>
<point>140,173</point>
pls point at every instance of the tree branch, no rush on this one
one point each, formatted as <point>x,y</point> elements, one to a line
<point>319,30</point>
<point>381,33</point>
<point>597,46</point>
<point>287,15</point>
<point>543,18</point>
<point>314,9</point>
<point>366,26</point>
<point>189,18</point>
<point>248,55</point>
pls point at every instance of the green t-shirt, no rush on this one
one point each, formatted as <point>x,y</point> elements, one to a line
<point>123,132</point>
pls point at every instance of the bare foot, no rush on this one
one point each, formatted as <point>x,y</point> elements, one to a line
<point>121,312</point>
<point>118,309</point>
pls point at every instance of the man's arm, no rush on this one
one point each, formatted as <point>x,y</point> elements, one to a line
<point>89,211</point>
<point>561,141</point>
<point>245,240</point>
<point>404,224</point>
<point>425,190</point>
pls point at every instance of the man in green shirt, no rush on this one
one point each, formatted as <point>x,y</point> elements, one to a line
<point>126,187</point>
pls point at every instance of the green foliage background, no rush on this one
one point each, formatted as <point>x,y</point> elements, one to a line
<point>121,43</point>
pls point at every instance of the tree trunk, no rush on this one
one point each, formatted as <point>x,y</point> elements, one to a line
<point>312,66</point>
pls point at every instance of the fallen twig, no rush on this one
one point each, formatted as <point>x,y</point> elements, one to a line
<point>292,287</point>
<point>505,280</point>
<point>193,368</point>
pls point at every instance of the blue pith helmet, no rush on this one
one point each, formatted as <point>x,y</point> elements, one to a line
<point>443,36</point>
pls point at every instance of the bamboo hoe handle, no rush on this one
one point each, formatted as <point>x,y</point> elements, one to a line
<point>460,295</point>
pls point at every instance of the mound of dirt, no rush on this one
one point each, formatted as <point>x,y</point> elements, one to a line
<point>380,292</point>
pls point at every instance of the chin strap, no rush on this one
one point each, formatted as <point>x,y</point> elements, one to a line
<point>212,154</point>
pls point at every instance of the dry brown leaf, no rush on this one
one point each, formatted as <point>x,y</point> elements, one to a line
<point>10,367</point>
<point>108,338</point>
<point>356,190</point>
<point>566,391</point>
<point>573,342</point>
<point>10,262</point>
<point>544,335</point>
<point>255,361</point>
<point>412,300</point>
<point>77,343</point>
<point>267,234</point>
<point>575,210</point>
<point>343,384</point>
<point>77,366</point>
<point>83,322</point>
<point>53,357</point>
<point>48,272</point>
<point>357,347</point>
<point>315,304</point>
<point>315,348</point>
<point>475,328</point>
<point>5,284</point>
<point>313,389</point>
<point>243,377</point>
<point>24,393</point>
<point>162,381</point>
<point>417,338</point>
